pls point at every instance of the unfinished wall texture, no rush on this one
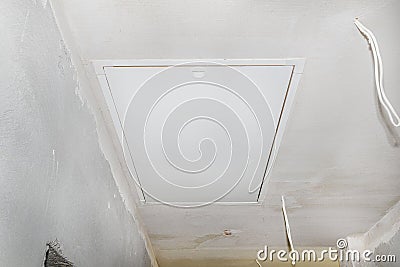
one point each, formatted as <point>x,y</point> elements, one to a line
<point>383,239</point>
<point>54,180</point>
<point>391,247</point>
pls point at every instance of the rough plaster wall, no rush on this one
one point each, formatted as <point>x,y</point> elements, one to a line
<point>54,179</point>
<point>392,247</point>
<point>382,239</point>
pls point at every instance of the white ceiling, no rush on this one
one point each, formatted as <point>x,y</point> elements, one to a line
<point>337,165</point>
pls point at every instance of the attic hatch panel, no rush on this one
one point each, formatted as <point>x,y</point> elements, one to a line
<point>197,132</point>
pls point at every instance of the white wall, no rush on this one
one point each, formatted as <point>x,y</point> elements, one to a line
<point>54,180</point>
<point>383,240</point>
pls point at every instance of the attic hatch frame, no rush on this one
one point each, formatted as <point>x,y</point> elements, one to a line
<point>297,65</point>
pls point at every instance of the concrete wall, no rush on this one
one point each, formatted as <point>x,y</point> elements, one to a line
<point>391,247</point>
<point>383,240</point>
<point>54,180</point>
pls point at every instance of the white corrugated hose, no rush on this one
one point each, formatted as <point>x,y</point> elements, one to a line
<point>378,71</point>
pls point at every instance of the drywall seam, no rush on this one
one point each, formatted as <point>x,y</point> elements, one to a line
<point>87,96</point>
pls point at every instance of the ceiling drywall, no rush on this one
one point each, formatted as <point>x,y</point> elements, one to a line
<point>338,165</point>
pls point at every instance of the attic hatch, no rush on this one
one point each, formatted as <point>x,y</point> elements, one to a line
<point>195,132</point>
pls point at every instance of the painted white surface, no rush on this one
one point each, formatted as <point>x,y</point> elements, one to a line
<point>337,165</point>
<point>253,92</point>
<point>382,239</point>
<point>55,182</point>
